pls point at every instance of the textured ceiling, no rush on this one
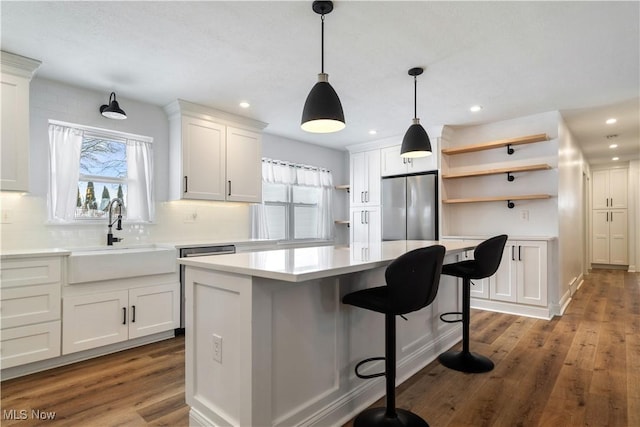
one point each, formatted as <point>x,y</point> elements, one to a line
<point>513,58</point>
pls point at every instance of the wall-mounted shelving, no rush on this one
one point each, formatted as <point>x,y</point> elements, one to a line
<point>342,222</point>
<point>346,187</point>
<point>507,170</point>
<point>508,199</point>
<point>529,139</point>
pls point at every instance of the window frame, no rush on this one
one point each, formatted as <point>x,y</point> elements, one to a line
<point>290,223</point>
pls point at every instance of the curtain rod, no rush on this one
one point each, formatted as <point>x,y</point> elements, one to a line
<point>294,165</point>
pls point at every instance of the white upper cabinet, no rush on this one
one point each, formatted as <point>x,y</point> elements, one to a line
<point>392,164</point>
<point>610,189</point>
<point>244,182</point>
<point>17,72</point>
<point>214,155</point>
<point>365,178</point>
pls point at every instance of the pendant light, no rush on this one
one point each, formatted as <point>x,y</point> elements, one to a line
<point>113,110</point>
<point>416,141</point>
<point>322,110</point>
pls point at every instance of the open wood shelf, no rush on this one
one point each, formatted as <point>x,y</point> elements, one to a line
<point>529,139</point>
<point>508,199</point>
<point>343,187</point>
<point>497,171</point>
<point>341,221</point>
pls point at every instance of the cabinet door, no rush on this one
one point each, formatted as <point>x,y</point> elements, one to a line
<point>244,166</point>
<point>600,237</point>
<point>372,197</point>
<point>503,283</point>
<point>153,309</point>
<point>532,273</point>
<point>15,133</point>
<point>424,164</point>
<point>618,237</point>
<point>391,163</point>
<point>365,178</point>
<point>358,172</point>
<point>203,159</point>
<point>359,229</point>
<point>90,321</point>
<point>31,343</point>
<point>600,189</point>
<point>374,224</point>
<point>618,185</point>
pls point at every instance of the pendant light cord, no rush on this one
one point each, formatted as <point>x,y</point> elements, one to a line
<point>322,44</point>
<point>415,97</point>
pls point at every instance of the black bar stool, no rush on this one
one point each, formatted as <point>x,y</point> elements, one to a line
<point>487,256</point>
<point>412,283</point>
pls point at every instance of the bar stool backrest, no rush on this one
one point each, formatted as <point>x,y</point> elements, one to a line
<point>413,278</point>
<point>488,255</point>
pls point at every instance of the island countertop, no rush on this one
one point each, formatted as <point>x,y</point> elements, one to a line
<point>301,264</point>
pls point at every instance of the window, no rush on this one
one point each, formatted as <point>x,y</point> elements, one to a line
<point>103,176</point>
<point>90,167</point>
<point>296,203</point>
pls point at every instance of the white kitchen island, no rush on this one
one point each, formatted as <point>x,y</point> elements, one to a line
<point>269,343</point>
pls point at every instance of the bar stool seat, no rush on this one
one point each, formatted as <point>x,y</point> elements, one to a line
<point>412,283</point>
<point>487,256</point>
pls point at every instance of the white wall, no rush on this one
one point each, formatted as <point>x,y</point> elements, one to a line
<point>28,228</point>
<point>571,210</point>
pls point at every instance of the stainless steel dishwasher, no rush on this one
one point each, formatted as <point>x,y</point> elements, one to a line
<point>192,252</point>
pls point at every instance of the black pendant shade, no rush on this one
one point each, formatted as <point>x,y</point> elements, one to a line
<point>113,110</point>
<point>416,141</point>
<point>322,111</point>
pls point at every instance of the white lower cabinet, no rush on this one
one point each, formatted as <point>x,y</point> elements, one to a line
<point>30,291</point>
<point>522,275</point>
<point>99,319</point>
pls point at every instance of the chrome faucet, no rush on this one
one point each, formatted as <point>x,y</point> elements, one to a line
<point>110,238</point>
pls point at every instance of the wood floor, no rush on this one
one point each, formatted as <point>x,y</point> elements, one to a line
<point>581,369</point>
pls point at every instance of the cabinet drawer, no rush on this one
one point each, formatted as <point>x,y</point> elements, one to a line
<point>26,305</point>
<point>25,272</point>
<point>27,344</point>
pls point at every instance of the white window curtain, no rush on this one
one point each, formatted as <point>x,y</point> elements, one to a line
<point>65,144</point>
<point>140,181</point>
<point>279,172</point>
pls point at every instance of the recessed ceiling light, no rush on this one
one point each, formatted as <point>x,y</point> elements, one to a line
<point>245,104</point>
<point>615,158</point>
<point>373,132</point>
<point>611,121</point>
<point>613,146</point>
<point>475,108</point>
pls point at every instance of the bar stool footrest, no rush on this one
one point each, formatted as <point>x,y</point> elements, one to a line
<point>377,417</point>
<point>451,313</point>
<point>369,376</point>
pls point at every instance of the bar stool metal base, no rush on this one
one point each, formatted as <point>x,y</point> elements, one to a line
<point>376,417</point>
<point>465,361</point>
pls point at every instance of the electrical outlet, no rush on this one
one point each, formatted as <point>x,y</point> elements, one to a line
<point>190,217</point>
<point>524,215</point>
<point>7,216</point>
<point>217,348</point>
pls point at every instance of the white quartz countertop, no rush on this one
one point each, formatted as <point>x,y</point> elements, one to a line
<point>300,264</point>
<point>34,253</point>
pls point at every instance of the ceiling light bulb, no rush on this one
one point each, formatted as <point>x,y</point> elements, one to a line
<point>613,146</point>
<point>611,121</point>
<point>475,108</point>
<point>245,104</point>
<point>615,158</point>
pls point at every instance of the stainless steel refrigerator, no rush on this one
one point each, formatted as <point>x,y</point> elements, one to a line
<point>410,207</point>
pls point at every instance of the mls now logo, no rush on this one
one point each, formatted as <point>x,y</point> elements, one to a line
<point>14,414</point>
